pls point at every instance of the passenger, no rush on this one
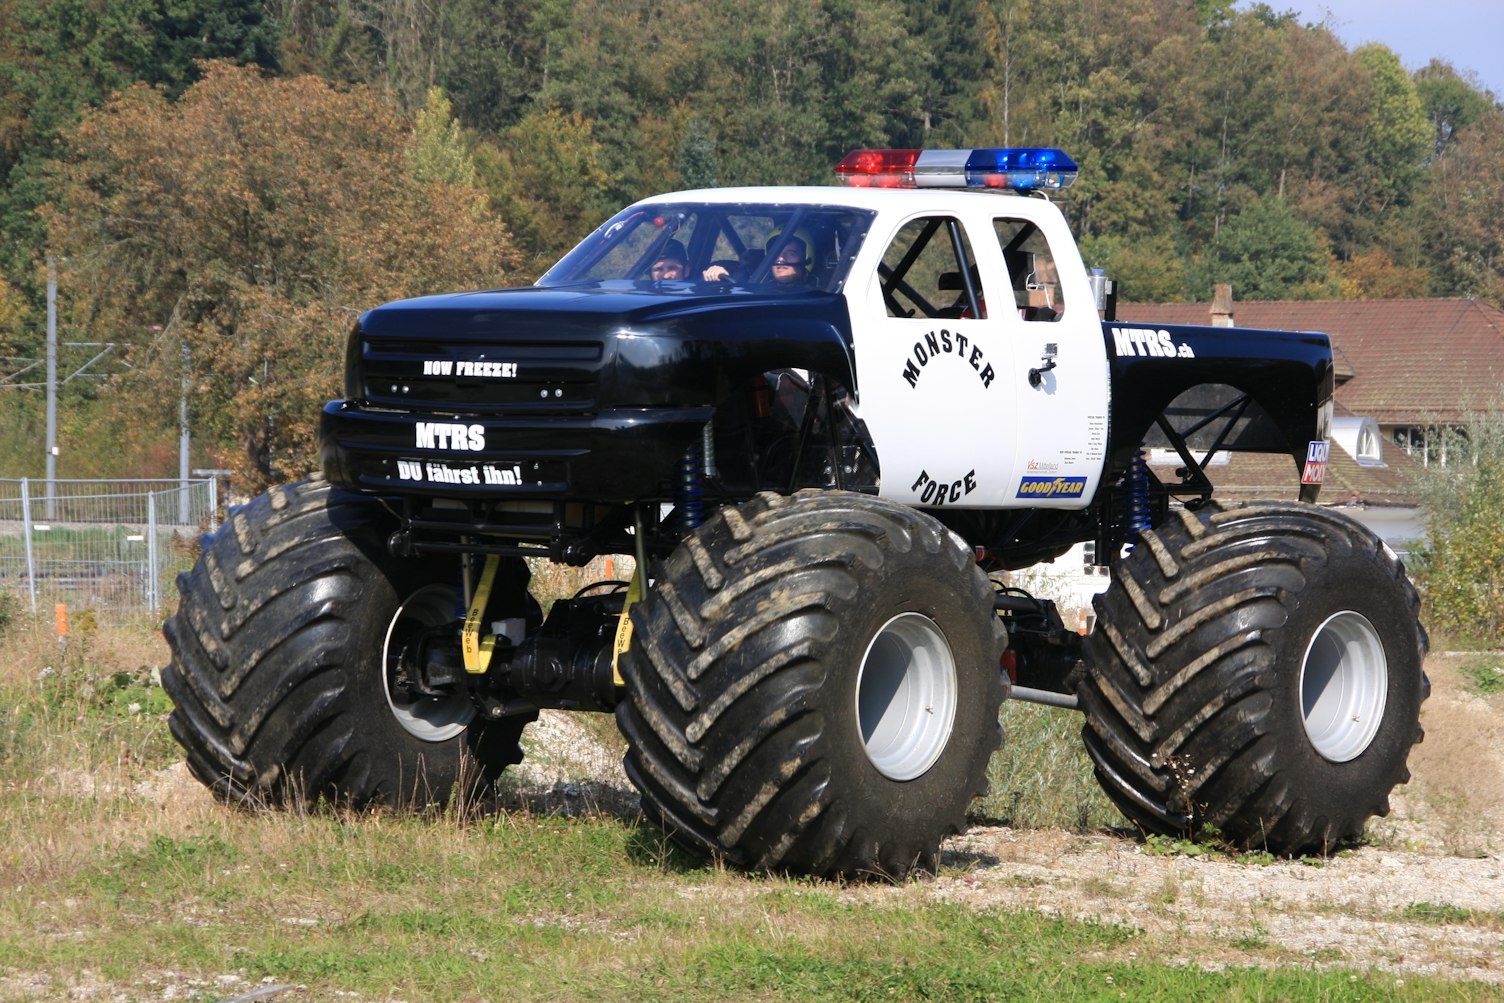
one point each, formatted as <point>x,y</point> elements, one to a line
<point>791,267</point>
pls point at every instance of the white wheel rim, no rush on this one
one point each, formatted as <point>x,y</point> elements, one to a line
<point>1344,683</point>
<point>431,719</point>
<point>906,696</point>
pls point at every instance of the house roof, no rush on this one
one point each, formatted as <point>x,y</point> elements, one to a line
<point>1250,476</point>
<point>1412,362</point>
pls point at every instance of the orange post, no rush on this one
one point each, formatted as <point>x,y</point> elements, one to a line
<point>61,613</point>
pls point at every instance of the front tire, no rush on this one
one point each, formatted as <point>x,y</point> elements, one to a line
<point>1256,673</point>
<point>283,655</point>
<point>814,686</point>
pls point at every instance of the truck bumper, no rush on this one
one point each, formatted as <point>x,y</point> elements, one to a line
<point>620,454</point>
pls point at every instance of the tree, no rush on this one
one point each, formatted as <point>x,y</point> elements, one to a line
<point>1462,213</point>
<point>696,161</point>
<point>439,151</point>
<point>1373,275</point>
<point>1265,252</point>
<point>251,221</point>
<point>546,179</point>
<point>1451,103</point>
<point>1399,137</point>
<point>61,56</point>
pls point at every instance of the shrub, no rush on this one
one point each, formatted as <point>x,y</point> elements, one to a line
<point>1460,566</point>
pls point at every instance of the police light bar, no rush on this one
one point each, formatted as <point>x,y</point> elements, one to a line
<point>1012,169</point>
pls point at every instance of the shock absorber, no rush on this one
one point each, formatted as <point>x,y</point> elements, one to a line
<point>690,498</point>
<point>1136,494</point>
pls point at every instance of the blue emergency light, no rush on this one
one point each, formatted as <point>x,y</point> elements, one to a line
<point>1010,169</point>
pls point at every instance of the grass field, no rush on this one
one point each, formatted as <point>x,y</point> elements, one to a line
<point>121,880</point>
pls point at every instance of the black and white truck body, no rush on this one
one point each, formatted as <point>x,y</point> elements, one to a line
<point>818,418</point>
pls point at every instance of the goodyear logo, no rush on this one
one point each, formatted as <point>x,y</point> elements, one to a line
<point>1051,487</point>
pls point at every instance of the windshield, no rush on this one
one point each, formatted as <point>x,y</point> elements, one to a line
<point>764,245</point>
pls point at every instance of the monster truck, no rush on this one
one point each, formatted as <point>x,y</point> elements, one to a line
<point>822,420</point>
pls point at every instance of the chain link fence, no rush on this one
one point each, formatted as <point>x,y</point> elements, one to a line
<point>110,547</point>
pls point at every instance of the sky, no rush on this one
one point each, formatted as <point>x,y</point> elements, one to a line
<point>1467,33</point>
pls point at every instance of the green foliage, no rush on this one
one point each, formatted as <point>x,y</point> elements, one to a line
<point>1436,913</point>
<point>1451,103</point>
<point>1460,567</point>
<point>1399,136</point>
<point>1266,252</point>
<point>1146,271</point>
<point>696,161</point>
<point>1484,673</point>
<point>1208,846</point>
<point>547,180</point>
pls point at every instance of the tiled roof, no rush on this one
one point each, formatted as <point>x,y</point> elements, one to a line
<point>1250,476</point>
<point>1415,361</point>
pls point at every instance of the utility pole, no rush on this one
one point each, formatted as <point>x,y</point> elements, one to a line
<point>51,388</point>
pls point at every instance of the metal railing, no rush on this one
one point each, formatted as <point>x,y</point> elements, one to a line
<point>106,546</point>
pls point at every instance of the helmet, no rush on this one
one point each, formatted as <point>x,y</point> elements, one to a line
<point>799,245</point>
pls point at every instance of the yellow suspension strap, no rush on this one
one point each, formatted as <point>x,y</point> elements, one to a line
<point>635,591</point>
<point>476,649</point>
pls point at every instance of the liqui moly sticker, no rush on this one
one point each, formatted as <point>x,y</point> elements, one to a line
<point>1316,460</point>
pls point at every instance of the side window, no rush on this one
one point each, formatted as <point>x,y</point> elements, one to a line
<point>928,271</point>
<point>1031,270</point>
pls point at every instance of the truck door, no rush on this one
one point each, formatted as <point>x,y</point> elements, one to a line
<point>1060,379</point>
<point>932,369</point>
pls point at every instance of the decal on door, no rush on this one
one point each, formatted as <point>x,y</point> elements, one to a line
<point>946,343</point>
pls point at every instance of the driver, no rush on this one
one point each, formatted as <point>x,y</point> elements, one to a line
<point>671,264</point>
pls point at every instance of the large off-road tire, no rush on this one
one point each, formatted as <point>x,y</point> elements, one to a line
<point>814,686</point>
<point>280,662</point>
<point>1255,673</point>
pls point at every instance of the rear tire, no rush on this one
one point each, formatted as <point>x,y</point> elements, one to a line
<point>280,662</point>
<point>1256,673</point>
<point>814,686</point>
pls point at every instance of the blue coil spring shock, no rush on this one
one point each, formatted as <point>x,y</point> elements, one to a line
<point>690,499</point>
<point>1136,495</point>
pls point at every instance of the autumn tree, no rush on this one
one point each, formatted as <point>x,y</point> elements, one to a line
<point>252,220</point>
<point>58,57</point>
<point>1463,212</point>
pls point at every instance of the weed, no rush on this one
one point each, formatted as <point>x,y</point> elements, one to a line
<point>1256,939</point>
<point>1213,848</point>
<point>1432,912</point>
<point>1484,673</point>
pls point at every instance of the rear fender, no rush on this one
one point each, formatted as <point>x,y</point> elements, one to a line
<point>1288,375</point>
